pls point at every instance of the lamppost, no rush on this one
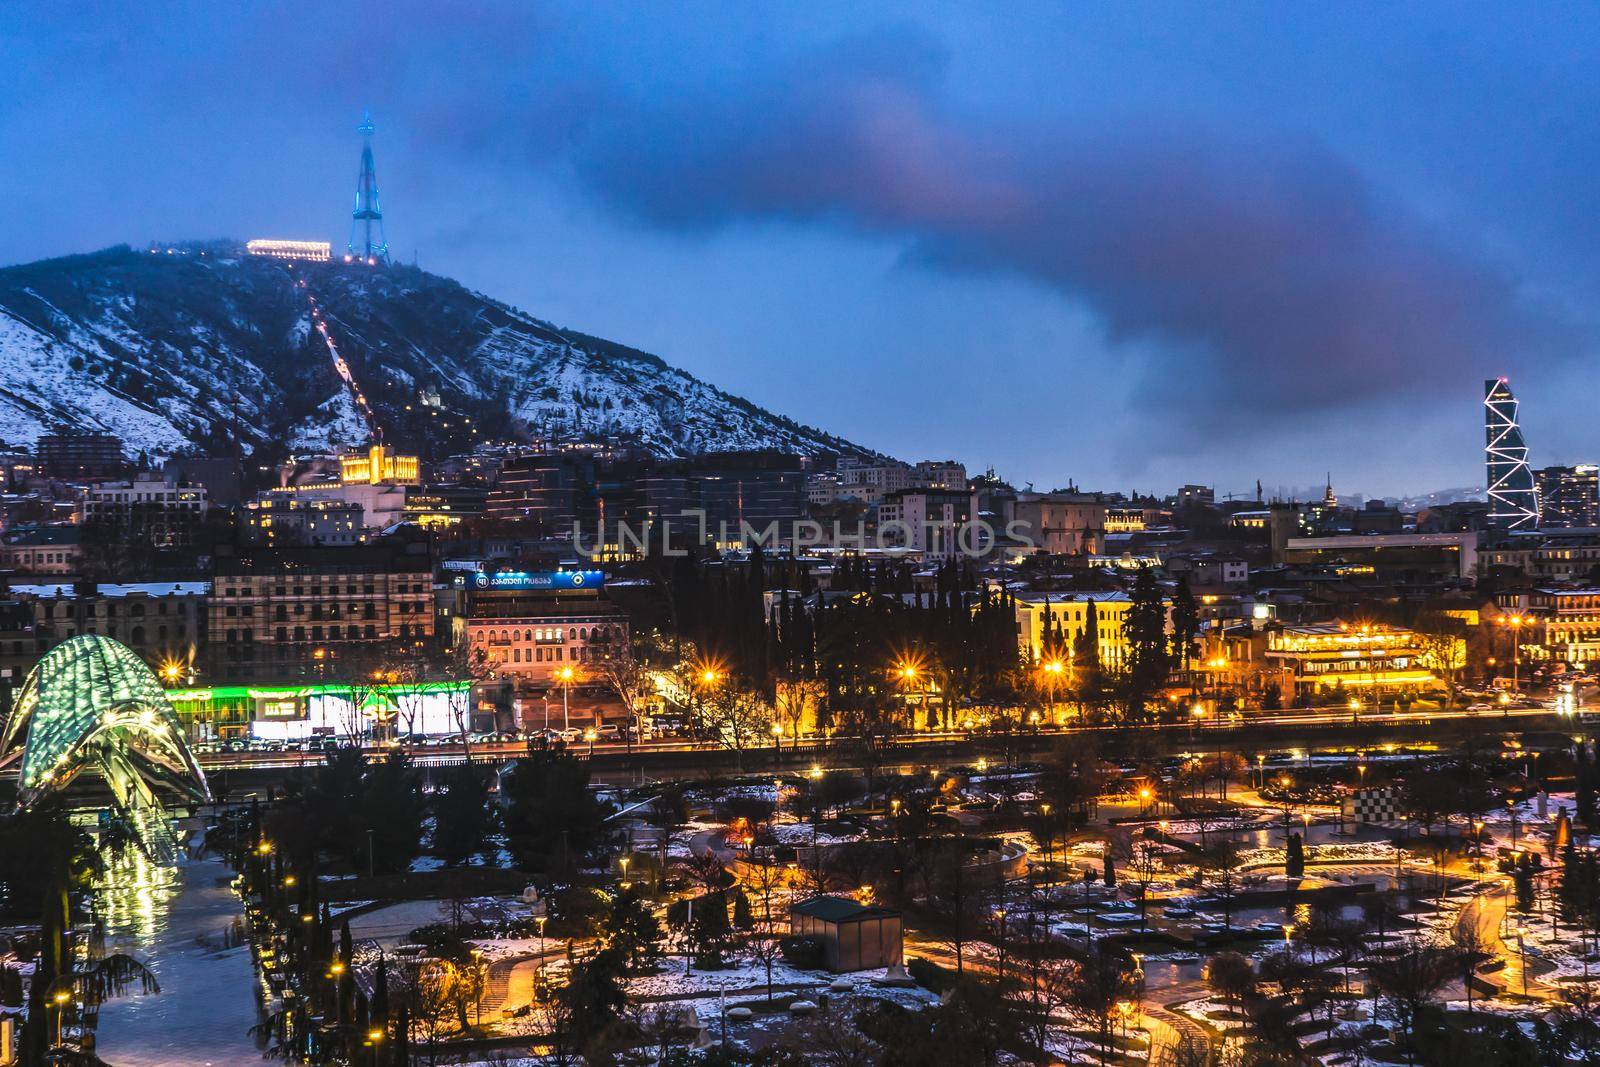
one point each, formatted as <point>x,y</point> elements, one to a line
<point>907,673</point>
<point>541,920</point>
<point>1000,914</point>
<point>1052,671</point>
<point>564,675</point>
<point>623,863</point>
<point>1515,623</point>
<point>1049,833</point>
<point>61,997</point>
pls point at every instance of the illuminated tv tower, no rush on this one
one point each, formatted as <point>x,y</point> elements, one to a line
<point>366,221</point>
<point>1513,500</point>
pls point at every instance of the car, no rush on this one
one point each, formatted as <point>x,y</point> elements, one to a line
<point>608,731</point>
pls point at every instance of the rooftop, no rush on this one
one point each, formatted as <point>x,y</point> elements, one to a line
<point>840,910</point>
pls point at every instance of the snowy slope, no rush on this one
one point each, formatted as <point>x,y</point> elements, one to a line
<point>181,350</point>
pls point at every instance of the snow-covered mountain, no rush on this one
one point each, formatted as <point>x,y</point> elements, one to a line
<point>186,347</point>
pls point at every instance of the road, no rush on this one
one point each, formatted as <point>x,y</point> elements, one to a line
<point>1244,733</point>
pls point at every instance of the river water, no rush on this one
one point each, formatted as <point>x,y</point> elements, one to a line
<point>185,925</point>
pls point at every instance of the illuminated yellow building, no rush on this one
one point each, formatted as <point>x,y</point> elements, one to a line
<point>1327,656</point>
<point>379,466</point>
<point>1069,613</point>
<point>316,251</point>
<point>1124,520</point>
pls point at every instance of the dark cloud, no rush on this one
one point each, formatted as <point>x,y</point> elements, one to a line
<point>1251,273</point>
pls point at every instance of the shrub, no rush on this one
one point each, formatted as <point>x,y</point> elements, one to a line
<point>802,952</point>
<point>929,975</point>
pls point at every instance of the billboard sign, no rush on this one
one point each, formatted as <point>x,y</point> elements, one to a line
<point>559,581</point>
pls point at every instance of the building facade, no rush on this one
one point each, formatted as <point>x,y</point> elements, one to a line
<point>1072,524</point>
<point>1568,496</point>
<point>49,550</point>
<point>1369,660</point>
<point>1513,497</point>
<point>319,613</point>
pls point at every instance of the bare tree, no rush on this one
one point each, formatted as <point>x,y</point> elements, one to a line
<point>732,716</point>
<point>1472,944</point>
<point>1409,978</point>
<point>1145,865</point>
<point>831,1038</point>
<point>634,685</point>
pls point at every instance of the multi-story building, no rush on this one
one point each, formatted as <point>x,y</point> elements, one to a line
<point>1202,495</point>
<point>1393,557</point>
<point>1569,557</point>
<point>286,518</point>
<point>1367,659</point>
<point>1125,519</point>
<point>822,488</point>
<point>52,550</point>
<point>934,522</point>
<point>549,634</point>
<point>164,622</point>
<point>290,613</point>
<point>750,497</point>
<point>1060,523</point>
<point>870,483</point>
<point>1513,497</point>
<point>149,506</point>
<point>552,490</point>
<point>379,465</point>
<point>1563,625</point>
<point>79,456</point>
<point>1568,496</point>
<point>1039,614</point>
<point>942,474</point>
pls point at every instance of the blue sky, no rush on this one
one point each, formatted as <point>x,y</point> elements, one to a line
<point>1127,244</point>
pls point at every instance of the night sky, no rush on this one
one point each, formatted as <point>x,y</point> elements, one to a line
<point>1128,244</point>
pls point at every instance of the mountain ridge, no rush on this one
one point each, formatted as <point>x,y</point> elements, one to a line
<point>188,347</point>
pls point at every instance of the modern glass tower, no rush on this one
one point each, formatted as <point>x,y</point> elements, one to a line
<point>1513,501</point>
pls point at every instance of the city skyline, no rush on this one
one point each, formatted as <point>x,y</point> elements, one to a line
<point>1270,253</point>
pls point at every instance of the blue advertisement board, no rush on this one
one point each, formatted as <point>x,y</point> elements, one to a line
<point>540,580</point>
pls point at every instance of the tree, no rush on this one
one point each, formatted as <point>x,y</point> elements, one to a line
<point>1185,622</point>
<point>743,919</point>
<point>1145,865</point>
<point>1100,982</point>
<point>1409,979</point>
<point>550,815</point>
<point>732,716</point>
<point>1221,865</point>
<point>633,683</point>
<point>1145,636</point>
<point>766,948</point>
<point>1294,863</point>
<point>632,929</point>
<point>1472,946</point>
<point>462,817</point>
<point>1232,977</point>
<point>391,811</point>
<point>595,999</point>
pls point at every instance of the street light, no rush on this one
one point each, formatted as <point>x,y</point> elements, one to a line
<point>564,675</point>
<point>1052,671</point>
<point>61,997</point>
<point>1515,622</point>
